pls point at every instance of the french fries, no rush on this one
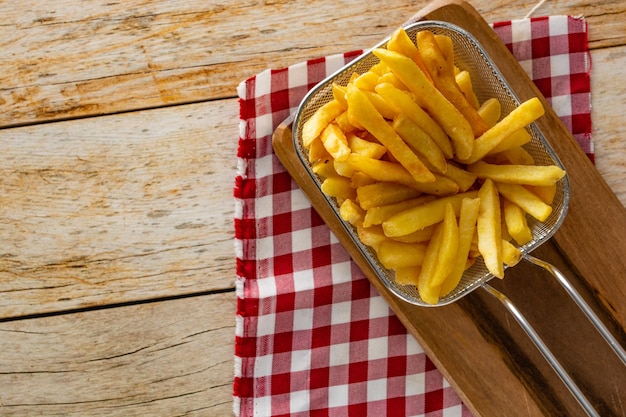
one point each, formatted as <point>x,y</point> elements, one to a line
<point>518,174</point>
<point>516,223</point>
<point>364,113</point>
<point>467,228</point>
<point>432,100</point>
<point>448,248</point>
<point>421,142</point>
<point>444,79</point>
<point>521,116</point>
<point>318,122</point>
<point>427,214</point>
<point>406,106</point>
<point>488,228</point>
<point>429,176</point>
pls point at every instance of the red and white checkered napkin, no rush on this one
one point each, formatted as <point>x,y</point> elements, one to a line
<point>313,338</point>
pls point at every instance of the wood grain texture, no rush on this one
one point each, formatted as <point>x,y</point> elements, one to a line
<point>170,358</point>
<point>60,61</point>
<point>116,209</point>
<point>608,98</point>
<point>116,205</point>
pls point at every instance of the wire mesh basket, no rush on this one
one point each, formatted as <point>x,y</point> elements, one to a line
<point>487,83</point>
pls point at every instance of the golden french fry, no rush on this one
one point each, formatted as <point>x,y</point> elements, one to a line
<point>467,230</point>
<point>393,172</point>
<point>319,120</point>
<point>344,169</point>
<point>431,99</point>
<point>379,170</point>
<point>489,229</point>
<point>440,187</point>
<point>524,198</point>
<point>371,236</point>
<point>379,69</point>
<point>378,214</point>
<point>518,174</point>
<point>428,292</point>
<point>490,111</point>
<point>461,177</point>
<point>447,249</point>
<point>445,45</point>
<point>504,231</point>
<point>360,179</point>
<point>365,114</point>
<point>464,81</point>
<point>367,81</point>
<point>385,110</point>
<point>317,151</point>
<point>324,168</point>
<point>546,193</point>
<point>518,118</point>
<point>444,79</point>
<point>407,275</point>
<point>516,223</point>
<point>511,255</point>
<point>400,42</point>
<point>404,104</point>
<point>420,141</point>
<point>344,123</point>
<point>338,187</point>
<point>339,94</point>
<point>351,212</point>
<point>335,142</point>
<point>474,252</point>
<point>513,156</point>
<point>518,138</point>
<point>390,78</point>
<point>416,218</point>
<point>383,193</point>
<point>393,254</point>
<point>365,147</point>
<point>418,236</point>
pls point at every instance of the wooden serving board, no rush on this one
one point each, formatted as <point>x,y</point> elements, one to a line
<point>475,343</point>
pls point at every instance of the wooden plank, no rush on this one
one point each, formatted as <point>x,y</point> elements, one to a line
<point>608,101</point>
<point>59,61</point>
<point>485,355</point>
<point>156,359</point>
<point>119,208</point>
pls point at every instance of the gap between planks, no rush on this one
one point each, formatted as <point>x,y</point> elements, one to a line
<point>116,305</point>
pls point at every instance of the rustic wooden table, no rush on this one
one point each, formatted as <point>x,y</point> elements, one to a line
<point>118,124</point>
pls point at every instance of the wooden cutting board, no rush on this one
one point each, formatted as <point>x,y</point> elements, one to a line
<point>475,343</point>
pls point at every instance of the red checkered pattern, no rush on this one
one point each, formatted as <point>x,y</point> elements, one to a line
<point>554,53</point>
<point>313,338</point>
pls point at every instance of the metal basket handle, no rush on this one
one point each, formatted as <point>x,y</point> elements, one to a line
<point>600,327</point>
<point>550,358</point>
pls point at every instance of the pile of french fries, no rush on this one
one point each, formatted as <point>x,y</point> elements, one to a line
<point>430,178</point>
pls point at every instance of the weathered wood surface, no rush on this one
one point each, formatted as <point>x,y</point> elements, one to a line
<point>62,60</point>
<point>608,100</point>
<point>117,205</point>
<point>119,208</point>
<point>169,358</point>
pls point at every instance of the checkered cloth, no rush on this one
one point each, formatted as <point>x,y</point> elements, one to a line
<point>313,338</point>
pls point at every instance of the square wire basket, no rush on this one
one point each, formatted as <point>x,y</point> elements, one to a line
<point>488,82</point>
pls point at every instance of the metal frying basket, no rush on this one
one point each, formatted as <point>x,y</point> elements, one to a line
<point>488,82</point>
